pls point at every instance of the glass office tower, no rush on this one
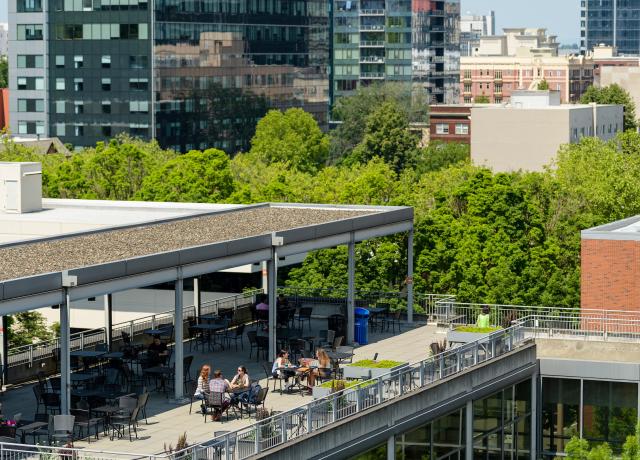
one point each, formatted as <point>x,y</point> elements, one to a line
<point>610,22</point>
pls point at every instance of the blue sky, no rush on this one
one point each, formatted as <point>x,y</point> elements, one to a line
<point>560,17</point>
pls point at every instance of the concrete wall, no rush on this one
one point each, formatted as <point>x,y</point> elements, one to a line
<point>627,77</point>
<point>373,427</point>
<point>508,139</point>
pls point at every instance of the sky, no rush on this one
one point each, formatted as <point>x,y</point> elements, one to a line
<point>560,17</point>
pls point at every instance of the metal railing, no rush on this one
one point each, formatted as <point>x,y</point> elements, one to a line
<point>281,428</point>
<point>30,354</point>
<point>11,451</point>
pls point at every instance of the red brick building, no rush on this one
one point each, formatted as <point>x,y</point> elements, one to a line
<point>4,108</point>
<point>610,266</point>
<point>450,123</point>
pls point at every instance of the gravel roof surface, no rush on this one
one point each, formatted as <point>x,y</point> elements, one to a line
<point>79,251</point>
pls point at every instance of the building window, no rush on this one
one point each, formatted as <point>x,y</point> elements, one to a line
<point>78,62</point>
<point>497,74</point>
<point>106,106</point>
<point>138,62</point>
<point>30,61</point>
<point>106,130</point>
<point>467,100</point>
<point>78,107</point>
<point>462,129</point>
<point>60,129</point>
<point>497,88</point>
<point>29,6</point>
<point>467,74</point>
<point>60,106</point>
<point>78,84</point>
<point>442,128</point>
<point>497,99</point>
<point>139,130</point>
<point>31,127</point>
<point>30,83</point>
<point>59,61</point>
<point>138,107</point>
<point>106,84</point>
<point>78,130</point>
<point>106,62</point>
<point>60,85</point>
<point>29,31</point>
<point>467,87</point>
<point>139,84</point>
<point>30,105</point>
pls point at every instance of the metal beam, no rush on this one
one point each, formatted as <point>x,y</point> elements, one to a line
<point>197,297</point>
<point>108,320</point>
<point>351,280</point>
<point>534,416</point>
<point>215,265</point>
<point>391,448</point>
<point>124,283</point>
<point>65,367</point>
<point>32,302</point>
<point>178,327</point>
<point>410,277</point>
<point>311,245</point>
<point>272,275</point>
<point>383,230</point>
<point>4,343</point>
<point>468,429</point>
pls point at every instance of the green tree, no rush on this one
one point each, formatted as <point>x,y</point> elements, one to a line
<point>543,85</point>
<point>292,137</point>
<point>4,72</point>
<point>199,177</point>
<point>577,449</point>
<point>27,328</point>
<point>481,99</point>
<point>631,447</point>
<point>352,112</point>
<point>439,155</point>
<point>387,136</point>
<point>601,452</point>
<point>613,94</point>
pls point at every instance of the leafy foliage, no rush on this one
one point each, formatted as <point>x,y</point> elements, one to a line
<point>613,94</point>
<point>28,327</point>
<point>543,85</point>
<point>481,99</point>
<point>4,72</point>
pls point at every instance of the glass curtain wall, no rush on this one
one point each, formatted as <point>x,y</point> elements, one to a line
<point>221,64</point>
<point>608,412</point>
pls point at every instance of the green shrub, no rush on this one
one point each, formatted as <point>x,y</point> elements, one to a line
<point>345,384</point>
<point>384,364</point>
<point>479,330</point>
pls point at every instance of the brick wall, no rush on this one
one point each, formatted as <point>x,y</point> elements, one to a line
<point>610,276</point>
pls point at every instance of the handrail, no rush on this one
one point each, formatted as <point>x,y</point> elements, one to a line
<point>45,349</point>
<point>281,428</point>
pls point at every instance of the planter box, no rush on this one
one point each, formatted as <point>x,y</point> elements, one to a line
<point>454,336</point>
<point>320,392</point>
<point>365,373</point>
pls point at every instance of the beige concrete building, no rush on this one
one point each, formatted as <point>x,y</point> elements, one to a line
<point>527,133</point>
<point>519,60</point>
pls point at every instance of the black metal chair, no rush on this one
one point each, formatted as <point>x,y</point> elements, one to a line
<point>258,400</point>
<point>393,320</point>
<point>235,335</point>
<point>263,344</point>
<point>216,402</point>
<point>83,420</point>
<point>120,422</point>
<point>304,315</point>
<point>269,376</point>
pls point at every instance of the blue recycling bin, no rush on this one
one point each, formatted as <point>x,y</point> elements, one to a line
<point>361,333</point>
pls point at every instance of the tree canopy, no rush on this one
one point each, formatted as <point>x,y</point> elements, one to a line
<point>613,94</point>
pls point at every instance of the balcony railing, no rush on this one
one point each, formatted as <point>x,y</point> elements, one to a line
<point>372,28</point>
<point>372,75</point>
<point>372,12</point>
<point>372,59</point>
<point>372,43</point>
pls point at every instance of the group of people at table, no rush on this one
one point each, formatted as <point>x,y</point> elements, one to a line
<point>238,388</point>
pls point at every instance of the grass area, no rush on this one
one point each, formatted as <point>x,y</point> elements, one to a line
<point>384,364</point>
<point>346,383</point>
<point>476,329</point>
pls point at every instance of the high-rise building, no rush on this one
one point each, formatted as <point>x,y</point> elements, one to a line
<point>4,38</point>
<point>610,22</point>
<point>522,59</point>
<point>410,41</point>
<point>472,27</point>
<point>190,74</point>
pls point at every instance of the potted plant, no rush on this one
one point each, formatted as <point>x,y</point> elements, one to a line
<point>334,386</point>
<point>371,369</point>
<point>466,334</point>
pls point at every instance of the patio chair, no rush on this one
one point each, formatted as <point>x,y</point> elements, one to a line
<point>63,427</point>
<point>337,342</point>
<point>267,372</point>
<point>295,348</point>
<point>328,342</point>
<point>194,387</point>
<point>186,374</point>
<point>84,420</point>
<point>393,320</point>
<point>167,333</point>
<point>56,384</point>
<point>38,392</point>
<point>8,432</point>
<point>257,401</point>
<point>216,402</point>
<point>143,399</point>
<point>304,315</point>
<point>127,404</point>
<point>219,337</point>
<point>192,334</point>
<point>346,349</point>
<point>263,344</point>
<point>262,318</point>
<point>119,423</point>
<point>51,402</point>
<point>253,342</point>
<point>235,335</point>
<point>325,374</point>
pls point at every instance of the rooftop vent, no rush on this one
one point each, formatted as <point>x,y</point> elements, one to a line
<point>20,187</point>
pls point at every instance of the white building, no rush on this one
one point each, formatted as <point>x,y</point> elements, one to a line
<point>527,133</point>
<point>4,39</point>
<point>472,27</point>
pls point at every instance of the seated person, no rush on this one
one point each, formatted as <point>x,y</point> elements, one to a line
<point>241,379</point>
<point>282,302</point>
<point>157,352</point>
<point>324,363</point>
<point>220,385</point>
<point>279,368</point>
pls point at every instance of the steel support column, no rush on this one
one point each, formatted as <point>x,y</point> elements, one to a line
<point>65,367</point>
<point>178,350</point>
<point>272,276</point>
<point>197,297</point>
<point>410,276</point>
<point>351,283</point>
<point>4,343</point>
<point>108,320</point>
<point>468,434</point>
<point>534,416</point>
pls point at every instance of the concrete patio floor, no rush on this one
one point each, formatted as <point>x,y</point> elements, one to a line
<point>167,420</point>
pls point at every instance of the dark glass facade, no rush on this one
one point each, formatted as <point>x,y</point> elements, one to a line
<point>611,22</point>
<point>599,411</point>
<point>220,65</point>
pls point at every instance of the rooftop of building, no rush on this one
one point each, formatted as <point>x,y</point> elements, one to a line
<point>624,229</point>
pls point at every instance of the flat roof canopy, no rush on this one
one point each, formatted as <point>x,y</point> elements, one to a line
<point>111,260</point>
<point>624,229</point>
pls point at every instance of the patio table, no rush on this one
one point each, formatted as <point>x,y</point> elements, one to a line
<point>159,372</point>
<point>113,355</point>
<point>157,331</point>
<point>209,329</point>
<point>29,428</point>
<point>81,378</point>
<point>87,353</point>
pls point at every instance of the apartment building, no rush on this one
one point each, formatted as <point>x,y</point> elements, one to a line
<point>415,42</point>
<point>450,123</point>
<point>190,74</point>
<point>527,133</point>
<point>521,59</point>
<point>472,27</point>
